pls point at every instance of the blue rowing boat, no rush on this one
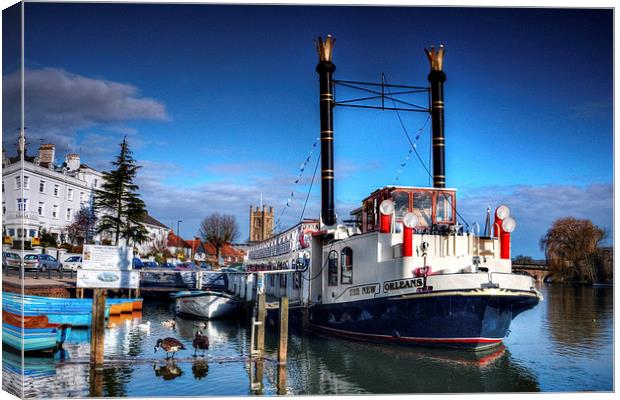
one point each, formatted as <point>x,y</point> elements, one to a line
<point>32,333</point>
<point>77,312</point>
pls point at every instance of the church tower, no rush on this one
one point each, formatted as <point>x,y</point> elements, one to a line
<point>261,223</point>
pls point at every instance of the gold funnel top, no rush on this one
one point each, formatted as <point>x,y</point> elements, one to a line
<point>435,57</point>
<point>326,48</point>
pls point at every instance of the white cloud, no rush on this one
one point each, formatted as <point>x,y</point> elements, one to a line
<point>535,208</point>
<point>59,103</point>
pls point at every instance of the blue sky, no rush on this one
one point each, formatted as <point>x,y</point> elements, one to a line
<point>220,104</point>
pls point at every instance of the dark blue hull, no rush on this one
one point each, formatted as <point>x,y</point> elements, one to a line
<point>465,320</point>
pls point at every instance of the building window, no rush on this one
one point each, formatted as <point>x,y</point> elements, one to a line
<point>55,211</point>
<point>332,268</point>
<point>3,208</point>
<point>12,232</point>
<point>96,182</point>
<point>346,263</point>
<point>82,197</point>
<point>68,216</point>
<point>33,233</point>
<point>41,208</point>
<point>2,186</point>
<point>42,187</point>
<point>18,182</point>
<point>20,233</point>
<point>22,204</point>
<point>69,194</point>
<point>56,190</point>
<point>26,182</point>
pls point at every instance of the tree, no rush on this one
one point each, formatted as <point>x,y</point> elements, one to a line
<point>521,259</point>
<point>47,239</point>
<point>219,229</point>
<point>122,208</point>
<point>82,226</point>
<point>571,246</point>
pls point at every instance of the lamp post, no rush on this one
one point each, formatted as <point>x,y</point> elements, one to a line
<point>178,234</point>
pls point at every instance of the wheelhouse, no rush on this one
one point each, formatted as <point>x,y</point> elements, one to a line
<point>432,206</point>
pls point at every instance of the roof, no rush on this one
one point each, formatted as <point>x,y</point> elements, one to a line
<point>152,221</point>
<point>227,250</point>
<point>176,241</point>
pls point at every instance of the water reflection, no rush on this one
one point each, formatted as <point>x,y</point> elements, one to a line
<point>169,371</point>
<point>574,329</point>
<point>331,366</point>
<point>580,316</point>
<point>200,369</point>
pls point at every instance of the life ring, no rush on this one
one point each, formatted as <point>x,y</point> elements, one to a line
<point>304,238</point>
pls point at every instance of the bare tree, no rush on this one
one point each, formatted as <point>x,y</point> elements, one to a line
<point>80,230</point>
<point>571,246</point>
<point>219,229</point>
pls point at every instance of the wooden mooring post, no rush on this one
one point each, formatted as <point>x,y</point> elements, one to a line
<point>283,342</point>
<point>97,328</point>
<point>260,316</point>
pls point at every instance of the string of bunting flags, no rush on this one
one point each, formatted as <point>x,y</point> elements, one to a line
<point>291,197</point>
<point>408,156</point>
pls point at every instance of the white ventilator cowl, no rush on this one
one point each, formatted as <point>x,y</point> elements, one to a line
<point>502,212</point>
<point>386,207</point>
<point>410,220</point>
<point>509,224</point>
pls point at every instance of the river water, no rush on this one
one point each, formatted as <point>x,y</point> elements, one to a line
<point>564,344</point>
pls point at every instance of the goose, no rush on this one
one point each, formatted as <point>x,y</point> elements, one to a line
<point>169,345</point>
<point>200,342</point>
<point>145,326</point>
<point>169,323</point>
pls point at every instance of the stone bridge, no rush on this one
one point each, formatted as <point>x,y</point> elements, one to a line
<point>538,270</point>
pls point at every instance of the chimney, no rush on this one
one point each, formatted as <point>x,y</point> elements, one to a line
<point>47,153</point>
<point>326,68</point>
<point>437,77</point>
<point>5,159</point>
<point>73,162</point>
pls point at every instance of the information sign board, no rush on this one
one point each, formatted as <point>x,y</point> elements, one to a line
<point>102,279</point>
<point>106,257</point>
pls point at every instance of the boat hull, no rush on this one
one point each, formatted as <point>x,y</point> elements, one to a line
<point>206,304</point>
<point>34,339</point>
<point>468,319</point>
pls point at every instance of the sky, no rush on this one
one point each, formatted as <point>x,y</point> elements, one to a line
<point>220,105</point>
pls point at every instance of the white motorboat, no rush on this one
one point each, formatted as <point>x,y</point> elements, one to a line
<point>207,304</point>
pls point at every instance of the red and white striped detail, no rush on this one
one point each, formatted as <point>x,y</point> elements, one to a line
<point>406,339</point>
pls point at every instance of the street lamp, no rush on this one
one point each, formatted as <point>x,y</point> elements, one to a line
<point>178,235</point>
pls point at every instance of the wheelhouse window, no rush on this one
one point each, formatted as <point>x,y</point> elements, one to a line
<point>445,207</point>
<point>332,268</point>
<point>370,215</point>
<point>401,203</point>
<point>423,207</point>
<point>346,265</point>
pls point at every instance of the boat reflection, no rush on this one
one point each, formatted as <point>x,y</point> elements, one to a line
<point>337,366</point>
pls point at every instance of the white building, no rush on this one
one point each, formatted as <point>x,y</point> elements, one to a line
<point>37,193</point>
<point>158,235</point>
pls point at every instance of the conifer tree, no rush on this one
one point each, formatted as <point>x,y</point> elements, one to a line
<point>120,206</point>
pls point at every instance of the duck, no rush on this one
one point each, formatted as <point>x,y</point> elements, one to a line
<point>145,326</point>
<point>200,325</point>
<point>169,323</point>
<point>200,342</point>
<point>169,345</point>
